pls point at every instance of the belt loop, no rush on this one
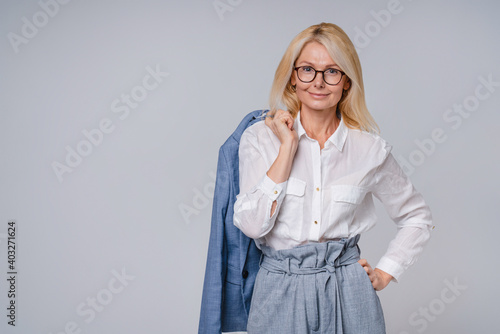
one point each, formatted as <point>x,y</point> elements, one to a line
<point>288,266</point>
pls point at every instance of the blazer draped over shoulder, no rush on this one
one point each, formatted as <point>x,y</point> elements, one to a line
<point>233,258</point>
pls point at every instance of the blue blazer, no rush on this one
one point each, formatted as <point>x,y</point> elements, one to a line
<point>233,259</point>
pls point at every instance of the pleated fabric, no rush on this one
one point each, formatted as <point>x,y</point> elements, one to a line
<point>314,288</point>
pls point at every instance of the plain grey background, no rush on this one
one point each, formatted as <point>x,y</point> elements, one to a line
<point>137,205</point>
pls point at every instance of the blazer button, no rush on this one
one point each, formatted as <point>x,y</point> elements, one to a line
<point>244,274</point>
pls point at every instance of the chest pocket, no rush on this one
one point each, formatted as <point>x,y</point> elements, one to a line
<point>291,214</point>
<point>343,204</point>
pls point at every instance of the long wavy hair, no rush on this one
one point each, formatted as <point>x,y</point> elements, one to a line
<point>352,104</point>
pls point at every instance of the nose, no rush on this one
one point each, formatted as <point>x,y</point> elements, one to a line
<point>318,81</point>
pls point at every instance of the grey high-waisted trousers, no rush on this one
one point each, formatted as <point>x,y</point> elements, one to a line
<point>314,288</point>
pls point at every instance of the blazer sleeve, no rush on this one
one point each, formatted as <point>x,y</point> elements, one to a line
<point>211,304</point>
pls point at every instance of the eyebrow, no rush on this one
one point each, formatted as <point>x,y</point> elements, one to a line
<point>327,66</point>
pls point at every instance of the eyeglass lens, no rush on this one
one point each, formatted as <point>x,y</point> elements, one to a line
<point>331,76</point>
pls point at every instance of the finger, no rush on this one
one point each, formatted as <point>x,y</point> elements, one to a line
<point>367,264</point>
<point>279,113</point>
<point>284,120</point>
<point>268,121</point>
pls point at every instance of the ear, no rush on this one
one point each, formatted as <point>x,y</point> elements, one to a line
<point>292,80</point>
<point>347,84</point>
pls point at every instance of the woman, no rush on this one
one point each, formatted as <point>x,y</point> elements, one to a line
<point>307,176</point>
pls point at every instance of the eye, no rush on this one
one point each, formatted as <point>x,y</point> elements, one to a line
<point>332,71</point>
<point>307,69</point>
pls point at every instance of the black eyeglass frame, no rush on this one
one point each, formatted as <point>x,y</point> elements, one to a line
<point>316,73</point>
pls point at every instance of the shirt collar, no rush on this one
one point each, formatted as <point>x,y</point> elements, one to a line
<point>338,138</point>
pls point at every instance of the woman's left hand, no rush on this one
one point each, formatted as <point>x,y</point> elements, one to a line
<point>379,278</point>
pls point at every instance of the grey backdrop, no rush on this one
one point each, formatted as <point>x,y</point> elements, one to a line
<point>112,114</point>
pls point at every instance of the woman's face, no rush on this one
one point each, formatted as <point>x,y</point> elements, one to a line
<point>317,95</point>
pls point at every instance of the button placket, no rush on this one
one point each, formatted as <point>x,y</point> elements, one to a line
<point>316,196</point>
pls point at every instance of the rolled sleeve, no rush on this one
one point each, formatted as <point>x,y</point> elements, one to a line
<point>252,208</point>
<point>271,188</point>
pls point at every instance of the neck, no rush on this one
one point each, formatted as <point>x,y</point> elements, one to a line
<point>319,124</point>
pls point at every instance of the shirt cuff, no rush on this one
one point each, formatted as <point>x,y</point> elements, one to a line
<point>272,189</point>
<point>391,267</point>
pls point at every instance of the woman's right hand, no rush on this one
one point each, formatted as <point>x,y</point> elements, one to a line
<point>282,126</point>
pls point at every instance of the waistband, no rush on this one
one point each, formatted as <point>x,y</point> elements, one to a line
<point>311,258</point>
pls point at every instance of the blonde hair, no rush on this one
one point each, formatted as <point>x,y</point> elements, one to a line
<point>352,105</point>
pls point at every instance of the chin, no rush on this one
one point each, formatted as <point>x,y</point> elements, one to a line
<point>319,106</point>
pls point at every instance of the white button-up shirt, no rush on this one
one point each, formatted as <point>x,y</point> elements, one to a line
<point>328,195</point>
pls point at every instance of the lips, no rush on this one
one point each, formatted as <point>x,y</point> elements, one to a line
<point>317,95</point>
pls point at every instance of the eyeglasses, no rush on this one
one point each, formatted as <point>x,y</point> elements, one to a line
<point>331,76</point>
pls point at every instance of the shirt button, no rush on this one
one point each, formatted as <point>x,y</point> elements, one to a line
<point>316,222</point>
<point>317,189</point>
<point>276,191</point>
<point>244,274</point>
